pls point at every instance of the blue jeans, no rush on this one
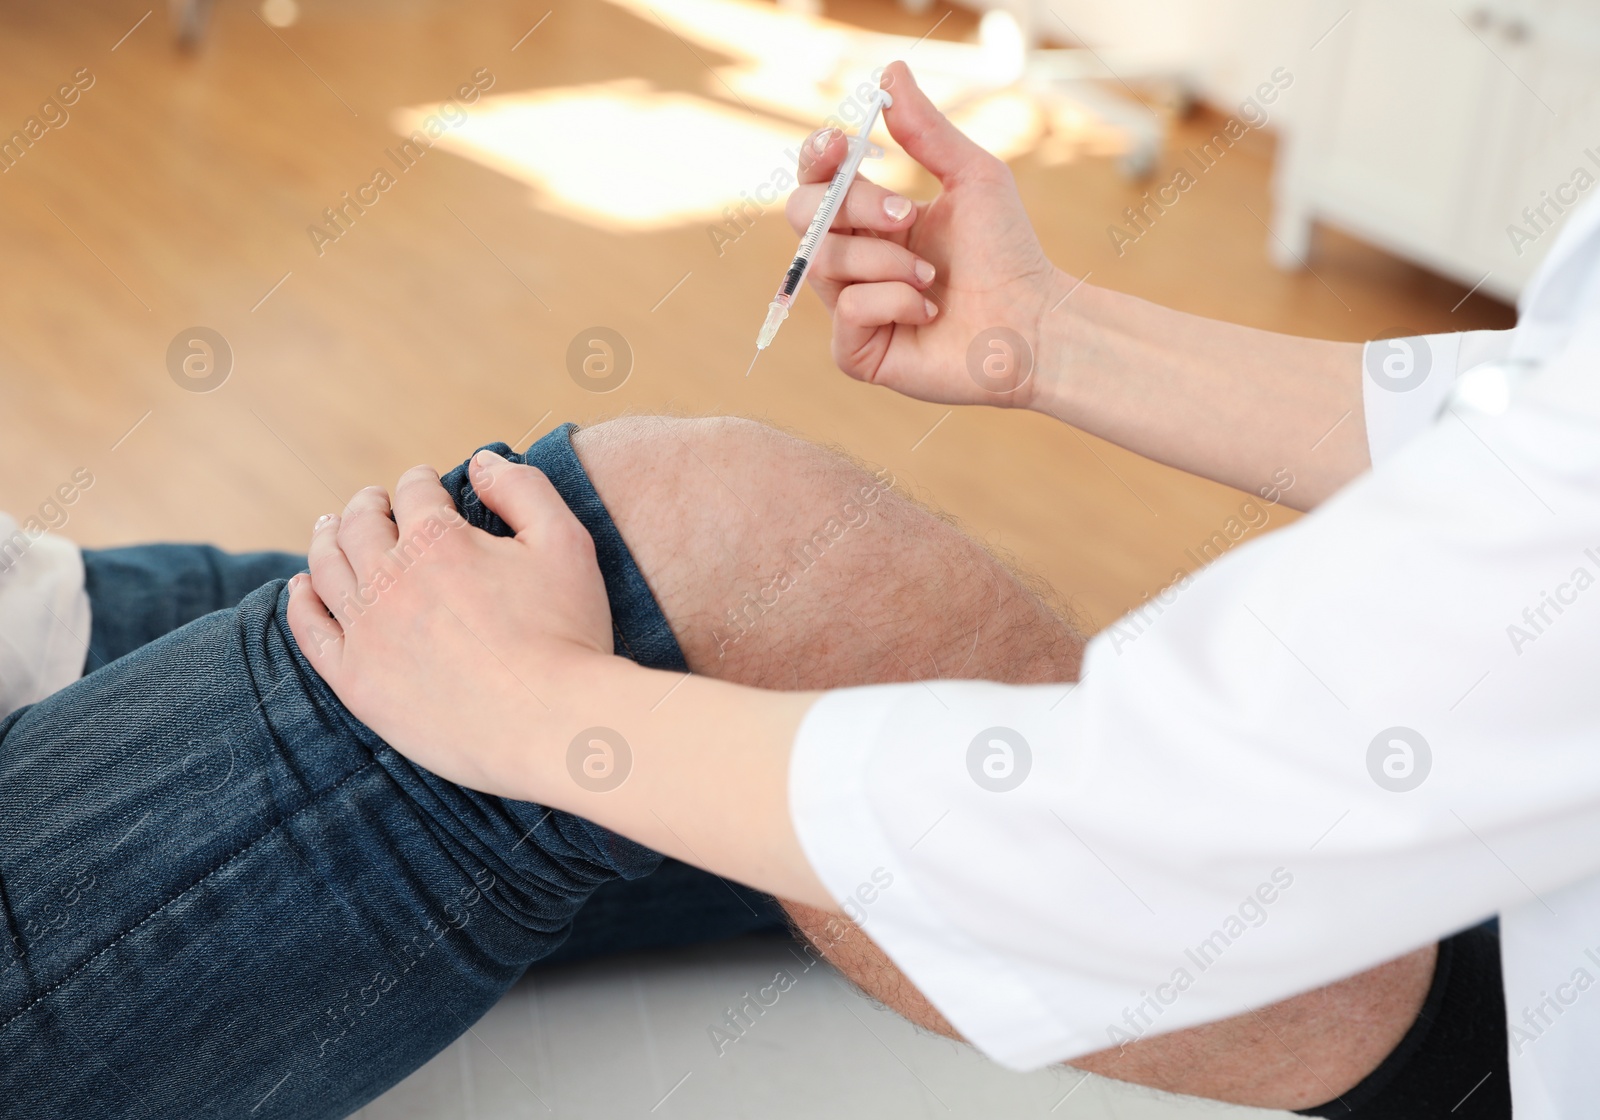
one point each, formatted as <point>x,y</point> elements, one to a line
<point>223,895</point>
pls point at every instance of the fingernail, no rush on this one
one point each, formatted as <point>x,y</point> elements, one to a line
<point>484,459</point>
<point>924,271</point>
<point>321,521</point>
<point>896,207</point>
<point>820,142</point>
<point>929,306</point>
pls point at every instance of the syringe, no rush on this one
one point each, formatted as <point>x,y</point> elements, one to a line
<point>860,147</point>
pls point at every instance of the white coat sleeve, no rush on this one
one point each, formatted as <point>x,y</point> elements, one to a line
<point>1405,382</point>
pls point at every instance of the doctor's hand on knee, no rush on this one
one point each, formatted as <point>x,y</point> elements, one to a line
<point>489,660</point>
<point>444,639</point>
<point>947,300</point>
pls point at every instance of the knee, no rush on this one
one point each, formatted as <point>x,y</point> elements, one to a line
<point>726,491</point>
<point>697,453</point>
<point>781,563</point>
<point>729,491</point>
<point>722,513</point>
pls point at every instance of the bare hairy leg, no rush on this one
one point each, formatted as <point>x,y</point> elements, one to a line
<point>782,565</point>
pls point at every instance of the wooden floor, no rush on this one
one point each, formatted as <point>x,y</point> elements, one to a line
<point>180,190</point>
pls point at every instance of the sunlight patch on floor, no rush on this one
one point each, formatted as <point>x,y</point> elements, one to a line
<point>626,156</point>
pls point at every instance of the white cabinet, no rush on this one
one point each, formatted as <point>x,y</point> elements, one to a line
<point>1430,128</point>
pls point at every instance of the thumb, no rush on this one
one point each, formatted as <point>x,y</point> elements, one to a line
<point>925,133</point>
<point>521,495</point>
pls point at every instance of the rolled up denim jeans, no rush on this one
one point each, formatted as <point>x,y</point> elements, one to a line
<point>224,895</point>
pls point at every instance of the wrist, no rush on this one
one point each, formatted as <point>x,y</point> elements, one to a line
<point>561,713</point>
<point>586,686</point>
<point>1061,323</point>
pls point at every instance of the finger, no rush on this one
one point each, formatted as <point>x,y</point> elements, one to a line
<point>821,155</point>
<point>925,133</point>
<point>866,206</point>
<point>864,310</point>
<point>521,495</point>
<point>331,574</point>
<point>366,531</point>
<point>856,258</point>
<point>321,639</point>
<point>423,511</point>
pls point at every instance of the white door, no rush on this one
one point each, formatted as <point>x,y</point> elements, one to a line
<point>1549,162</point>
<point>1414,96</point>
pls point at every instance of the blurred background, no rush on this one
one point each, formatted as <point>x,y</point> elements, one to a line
<point>235,292</point>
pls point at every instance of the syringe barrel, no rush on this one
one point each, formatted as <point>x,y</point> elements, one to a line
<point>833,199</point>
<point>789,288</point>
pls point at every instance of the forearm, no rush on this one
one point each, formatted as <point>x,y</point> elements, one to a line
<point>704,776</point>
<point>1227,402</point>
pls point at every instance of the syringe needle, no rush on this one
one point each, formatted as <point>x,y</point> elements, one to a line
<point>752,363</point>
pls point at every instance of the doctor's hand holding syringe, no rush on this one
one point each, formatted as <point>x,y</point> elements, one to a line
<point>954,301</point>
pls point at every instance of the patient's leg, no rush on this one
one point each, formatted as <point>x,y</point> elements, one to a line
<point>141,592</point>
<point>138,593</point>
<point>221,894</point>
<point>878,589</point>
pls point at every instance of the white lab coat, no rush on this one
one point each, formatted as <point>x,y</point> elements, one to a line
<point>1335,744</point>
